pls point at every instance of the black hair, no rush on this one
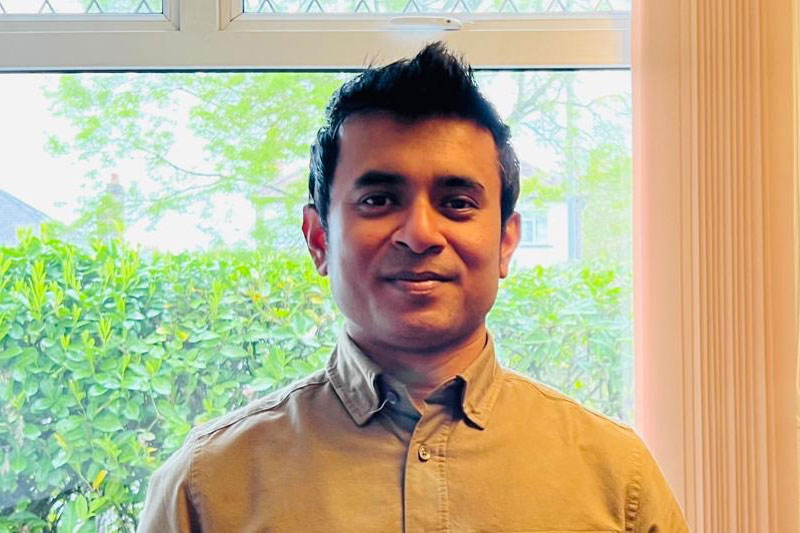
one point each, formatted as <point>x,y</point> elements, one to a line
<point>435,83</point>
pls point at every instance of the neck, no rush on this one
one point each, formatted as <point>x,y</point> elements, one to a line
<point>424,370</point>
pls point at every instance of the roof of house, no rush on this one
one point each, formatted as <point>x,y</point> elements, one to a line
<point>15,213</point>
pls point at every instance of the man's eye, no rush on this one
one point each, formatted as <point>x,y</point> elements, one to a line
<point>376,200</point>
<point>460,204</point>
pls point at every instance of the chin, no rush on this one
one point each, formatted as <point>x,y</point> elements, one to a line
<point>422,334</point>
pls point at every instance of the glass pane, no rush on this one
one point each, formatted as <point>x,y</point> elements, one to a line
<point>435,6</point>
<point>153,274</point>
<point>564,315</point>
<point>47,7</point>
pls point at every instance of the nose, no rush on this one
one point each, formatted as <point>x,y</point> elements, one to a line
<point>419,231</point>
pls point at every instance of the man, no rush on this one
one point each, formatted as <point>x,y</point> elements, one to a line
<point>413,425</point>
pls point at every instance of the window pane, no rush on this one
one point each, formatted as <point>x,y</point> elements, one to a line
<point>169,282</point>
<point>435,6</point>
<point>47,7</point>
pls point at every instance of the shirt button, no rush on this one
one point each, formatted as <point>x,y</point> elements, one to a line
<point>391,397</point>
<point>424,453</point>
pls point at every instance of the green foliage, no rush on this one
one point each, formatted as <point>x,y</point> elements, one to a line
<point>108,357</point>
<point>588,137</point>
<point>569,326</point>
<point>247,126</point>
<point>607,198</point>
<point>253,131</point>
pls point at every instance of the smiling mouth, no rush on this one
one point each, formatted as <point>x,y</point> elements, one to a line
<point>417,287</point>
<point>417,282</point>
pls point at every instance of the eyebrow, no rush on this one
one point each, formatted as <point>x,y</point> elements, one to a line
<point>460,182</point>
<point>375,177</point>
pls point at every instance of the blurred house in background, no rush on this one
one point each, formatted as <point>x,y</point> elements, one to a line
<point>14,214</point>
<point>546,234</point>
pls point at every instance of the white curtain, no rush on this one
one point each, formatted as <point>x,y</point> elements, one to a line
<point>716,255</point>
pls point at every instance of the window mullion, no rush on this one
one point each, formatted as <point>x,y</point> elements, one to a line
<point>199,15</point>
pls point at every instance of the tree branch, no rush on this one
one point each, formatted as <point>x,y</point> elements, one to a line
<point>177,167</point>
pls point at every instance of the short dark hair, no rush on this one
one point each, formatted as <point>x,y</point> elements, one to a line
<point>435,83</point>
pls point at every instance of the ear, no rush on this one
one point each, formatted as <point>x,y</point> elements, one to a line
<point>509,241</point>
<point>316,239</point>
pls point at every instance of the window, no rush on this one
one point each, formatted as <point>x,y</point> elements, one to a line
<point>169,283</point>
<point>436,6</point>
<point>534,229</point>
<point>91,7</point>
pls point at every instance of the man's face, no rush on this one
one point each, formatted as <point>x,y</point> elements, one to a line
<point>414,247</point>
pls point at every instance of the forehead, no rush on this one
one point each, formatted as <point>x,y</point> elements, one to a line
<point>419,150</point>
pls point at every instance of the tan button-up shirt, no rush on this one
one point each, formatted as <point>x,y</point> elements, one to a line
<point>345,450</point>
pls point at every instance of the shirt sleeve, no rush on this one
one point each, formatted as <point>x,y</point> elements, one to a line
<point>169,506</point>
<point>651,506</point>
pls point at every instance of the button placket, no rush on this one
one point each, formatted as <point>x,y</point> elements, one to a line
<point>425,502</point>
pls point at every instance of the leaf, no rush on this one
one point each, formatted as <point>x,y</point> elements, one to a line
<point>96,390</point>
<point>156,351</point>
<point>96,504</point>
<point>41,405</point>
<point>17,462</point>
<point>68,521</point>
<point>168,411</point>
<point>155,339</point>
<point>107,423</point>
<point>139,347</point>
<point>82,508</point>
<point>108,380</point>
<point>31,431</point>
<point>60,440</point>
<point>10,353</point>
<point>98,480</point>
<point>255,335</point>
<point>131,410</point>
<point>161,385</point>
<point>60,459</point>
<point>68,424</point>
<point>262,383</point>
<point>16,332</point>
<point>134,382</point>
<point>205,336</point>
<point>233,352</point>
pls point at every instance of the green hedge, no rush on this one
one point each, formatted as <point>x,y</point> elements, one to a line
<point>570,327</point>
<point>108,357</point>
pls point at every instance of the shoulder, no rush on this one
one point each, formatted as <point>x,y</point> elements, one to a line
<point>561,411</point>
<point>175,489</point>
<point>228,429</point>
<point>275,401</point>
<point>606,449</point>
<point>613,449</point>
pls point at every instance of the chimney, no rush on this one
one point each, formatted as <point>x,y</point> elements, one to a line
<point>115,189</point>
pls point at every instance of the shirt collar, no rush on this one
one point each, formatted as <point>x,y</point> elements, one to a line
<point>482,380</point>
<point>353,376</point>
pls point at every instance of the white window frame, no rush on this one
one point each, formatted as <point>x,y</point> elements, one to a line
<point>533,218</point>
<point>215,34</point>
